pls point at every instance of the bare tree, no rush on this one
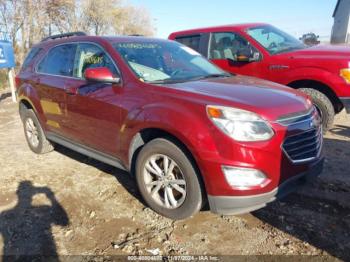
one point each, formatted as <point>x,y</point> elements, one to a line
<point>98,15</point>
<point>133,21</point>
<point>28,21</point>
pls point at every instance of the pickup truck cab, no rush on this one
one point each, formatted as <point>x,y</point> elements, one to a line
<point>263,51</point>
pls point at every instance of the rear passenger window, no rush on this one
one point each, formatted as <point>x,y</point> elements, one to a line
<point>31,55</point>
<point>191,41</point>
<point>59,61</point>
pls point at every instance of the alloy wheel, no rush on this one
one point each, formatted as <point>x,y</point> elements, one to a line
<point>164,181</point>
<point>32,132</point>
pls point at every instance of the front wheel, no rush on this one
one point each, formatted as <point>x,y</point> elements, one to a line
<point>167,180</point>
<point>323,105</point>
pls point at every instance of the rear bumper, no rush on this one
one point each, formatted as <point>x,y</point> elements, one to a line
<point>346,103</point>
<point>233,205</point>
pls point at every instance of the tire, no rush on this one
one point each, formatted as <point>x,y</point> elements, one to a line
<point>323,105</point>
<point>184,171</point>
<point>39,144</point>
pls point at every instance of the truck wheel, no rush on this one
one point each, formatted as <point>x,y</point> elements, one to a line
<point>167,180</point>
<point>34,134</point>
<point>323,105</point>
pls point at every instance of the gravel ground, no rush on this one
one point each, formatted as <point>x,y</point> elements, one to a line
<point>80,206</point>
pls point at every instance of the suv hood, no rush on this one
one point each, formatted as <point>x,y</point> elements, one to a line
<point>265,98</point>
<point>323,51</point>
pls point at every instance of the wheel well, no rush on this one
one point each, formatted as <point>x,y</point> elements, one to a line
<point>146,135</point>
<point>24,104</point>
<point>337,104</point>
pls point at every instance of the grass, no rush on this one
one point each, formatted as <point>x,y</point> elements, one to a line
<point>3,79</point>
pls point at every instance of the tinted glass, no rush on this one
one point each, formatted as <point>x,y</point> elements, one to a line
<point>228,46</point>
<point>31,55</point>
<point>91,56</point>
<point>190,41</point>
<point>59,61</point>
<point>166,61</point>
<point>274,40</point>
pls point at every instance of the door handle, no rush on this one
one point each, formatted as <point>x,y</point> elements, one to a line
<point>71,91</point>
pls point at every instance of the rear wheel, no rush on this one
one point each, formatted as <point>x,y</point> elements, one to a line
<point>324,106</point>
<point>34,134</point>
<point>167,180</point>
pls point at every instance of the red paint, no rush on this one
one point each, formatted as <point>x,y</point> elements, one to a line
<point>108,118</point>
<point>321,64</point>
<point>99,74</point>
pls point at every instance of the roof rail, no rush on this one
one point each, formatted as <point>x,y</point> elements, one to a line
<point>135,35</point>
<point>52,37</point>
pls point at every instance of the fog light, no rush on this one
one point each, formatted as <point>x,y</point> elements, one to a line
<point>244,178</point>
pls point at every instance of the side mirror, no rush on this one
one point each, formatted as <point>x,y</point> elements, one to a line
<point>244,58</point>
<point>100,74</point>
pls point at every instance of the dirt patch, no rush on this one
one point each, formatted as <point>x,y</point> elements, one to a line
<point>96,209</point>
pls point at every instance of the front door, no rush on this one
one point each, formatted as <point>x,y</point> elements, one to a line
<point>94,113</point>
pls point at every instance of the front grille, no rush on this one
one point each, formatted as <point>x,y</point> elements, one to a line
<point>304,146</point>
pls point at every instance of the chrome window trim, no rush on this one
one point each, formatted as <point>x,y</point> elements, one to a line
<point>309,113</point>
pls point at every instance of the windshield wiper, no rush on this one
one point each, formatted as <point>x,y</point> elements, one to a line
<point>166,81</point>
<point>211,76</point>
<point>174,81</point>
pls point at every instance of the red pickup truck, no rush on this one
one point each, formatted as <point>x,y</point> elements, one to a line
<point>261,50</point>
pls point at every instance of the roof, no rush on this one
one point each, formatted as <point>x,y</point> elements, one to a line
<point>87,38</point>
<point>221,27</point>
<point>140,39</point>
<point>336,8</point>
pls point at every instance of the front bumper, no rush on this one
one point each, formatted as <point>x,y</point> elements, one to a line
<point>234,205</point>
<point>346,103</point>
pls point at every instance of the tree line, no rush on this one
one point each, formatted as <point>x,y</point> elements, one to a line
<point>29,21</point>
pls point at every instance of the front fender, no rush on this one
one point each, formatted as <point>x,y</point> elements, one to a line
<point>335,82</point>
<point>189,124</point>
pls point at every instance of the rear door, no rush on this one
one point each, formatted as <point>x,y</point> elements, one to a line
<point>53,72</point>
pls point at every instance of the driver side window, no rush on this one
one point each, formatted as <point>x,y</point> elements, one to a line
<point>91,56</point>
<point>228,45</point>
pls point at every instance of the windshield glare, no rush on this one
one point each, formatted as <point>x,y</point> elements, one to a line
<point>274,40</point>
<point>166,62</point>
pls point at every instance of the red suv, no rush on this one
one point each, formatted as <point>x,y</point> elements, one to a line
<point>187,130</point>
<point>261,50</point>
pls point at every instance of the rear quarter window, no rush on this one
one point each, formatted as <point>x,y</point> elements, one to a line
<point>33,53</point>
<point>192,41</point>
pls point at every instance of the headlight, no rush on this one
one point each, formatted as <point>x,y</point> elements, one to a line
<point>345,74</point>
<point>239,124</point>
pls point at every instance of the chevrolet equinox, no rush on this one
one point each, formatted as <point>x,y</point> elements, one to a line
<point>188,131</point>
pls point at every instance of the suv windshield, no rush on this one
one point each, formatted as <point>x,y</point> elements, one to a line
<point>166,62</point>
<point>274,40</point>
